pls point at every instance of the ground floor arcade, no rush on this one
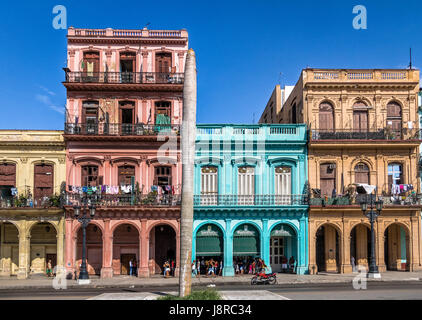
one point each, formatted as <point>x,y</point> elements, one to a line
<point>340,239</point>
<point>228,237</point>
<point>29,239</point>
<point>118,238</point>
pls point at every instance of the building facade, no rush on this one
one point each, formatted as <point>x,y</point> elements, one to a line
<point>250,201</point>
<point>364,143</point>
<point>274,105</point>
<point>32,174</point>
<point>123,116</point>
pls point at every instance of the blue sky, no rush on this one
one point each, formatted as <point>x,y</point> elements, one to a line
<point>241,46</point>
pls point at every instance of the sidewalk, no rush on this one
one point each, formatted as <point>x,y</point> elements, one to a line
<point>40,281</point>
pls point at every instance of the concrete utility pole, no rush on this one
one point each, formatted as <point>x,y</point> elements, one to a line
<point>188,136</point>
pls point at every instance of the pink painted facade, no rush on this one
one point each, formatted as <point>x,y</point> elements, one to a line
<point>124,103</point>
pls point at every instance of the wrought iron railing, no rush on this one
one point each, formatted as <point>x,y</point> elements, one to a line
<point>250,200</point>
<point>381,134</point>
<point>117,200</point>
<point>23,202</point>
<point>125,77</point>
<point>412,199</point>
<point>121,129</point>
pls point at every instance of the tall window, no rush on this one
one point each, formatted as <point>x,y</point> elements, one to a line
<point>394,119</point>
<point>127,66</point>
<point>125,175</point>
<point>43,181</point>
<point>328,179</point>
<point>246,185</point>
<point>209,185</point>
<point>90,117</point>
<point>90,176</point>
<point>162,176</point>
<point>395,177</point>
<point>163,62</point>
<point>91,66</point>
<point>360,117</point>
<point>283,185</point>
<point>362,173</point>
<point>326,117</point>
<point>7,179</point>
<point>127,117</point>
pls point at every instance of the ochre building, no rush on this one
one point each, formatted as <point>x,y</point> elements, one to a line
<point>364,142</point>
<point>32,173</point>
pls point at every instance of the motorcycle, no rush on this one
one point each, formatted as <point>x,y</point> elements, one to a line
<point>263,278</point>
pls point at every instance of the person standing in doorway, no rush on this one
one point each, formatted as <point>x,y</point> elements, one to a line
<point>130,267</point>
<point>49,268</point>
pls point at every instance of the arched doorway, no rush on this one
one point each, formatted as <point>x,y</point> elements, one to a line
<point>360,245</point>
<point>246,244</point>
<point>283,243</point>
<point>125,249</point>
<point>163,246</point>
<point>209,244</point>
<point>94,249</point>
<point>396,248</point>
<point>9,249</point>
<point>327,249</point>
<point>43,247</point>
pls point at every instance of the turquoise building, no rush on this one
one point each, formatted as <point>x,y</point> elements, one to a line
<point>251,195</point>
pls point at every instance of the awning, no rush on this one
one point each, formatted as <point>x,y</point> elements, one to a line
<point>364,188</point>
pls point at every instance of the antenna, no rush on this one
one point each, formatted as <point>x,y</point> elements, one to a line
<point>410,63</point>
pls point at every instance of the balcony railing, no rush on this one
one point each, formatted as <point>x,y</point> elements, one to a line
<point>412,199</point>
<point>250,200</point>
<point>119,200</point>
<point>364,75</point>
<point>124,77</point>
<point>22,202</point>
<point>381,134</point>
<point>121,129</point>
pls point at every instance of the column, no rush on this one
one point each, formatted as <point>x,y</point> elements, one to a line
<point>228,270</point>
<point>379,249</point>
<point>5,255</point>
<point>312,248</point>
<point>143,270</point>
<point>302,240</point>
<point>60,245</point>
<point>266,244</point>
<point>413,245</point>
<point>176,271</point>
<point>330,249</point>
<point>69,247</point>
<point>107,269</point>
<point>24,241</point>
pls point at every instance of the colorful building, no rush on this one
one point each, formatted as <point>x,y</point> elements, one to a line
<point>364,142</point>
<point>250,195</point>
<point>32,174</point>
<point>123,116</point>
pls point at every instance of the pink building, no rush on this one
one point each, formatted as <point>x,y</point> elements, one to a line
<point>124,103</point>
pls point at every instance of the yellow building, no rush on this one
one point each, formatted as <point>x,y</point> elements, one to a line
<point>364,139</point>
<point>32,173</point>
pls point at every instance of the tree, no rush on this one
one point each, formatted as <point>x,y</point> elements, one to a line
<point>188,136</point>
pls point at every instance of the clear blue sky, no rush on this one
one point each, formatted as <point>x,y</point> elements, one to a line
<point>241,47</point>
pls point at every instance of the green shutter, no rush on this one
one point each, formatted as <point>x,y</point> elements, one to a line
<point>283,230</point>
<point>209,241</point>
<point>246,241</point>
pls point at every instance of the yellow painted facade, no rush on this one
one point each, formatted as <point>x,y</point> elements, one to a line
<point>30,233</point>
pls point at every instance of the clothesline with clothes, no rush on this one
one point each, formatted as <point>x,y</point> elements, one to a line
<point>122,189</point>
<point>397,189</point>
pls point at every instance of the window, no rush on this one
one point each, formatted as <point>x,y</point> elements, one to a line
<point>127,117</point>
<point>246,185</point>
<point>43,181</point>
<point>395,177</point>
<point>360,117</point>
<point>125,175</point>
<point>91,65</point>
<point>162,176</point>
<point>209,185</point>
<point>394,119</point>
<point>362,173</point>
<point>328,179</point>
<point>326,117</point>
<point>90,117</point>
<point>283,185</point>
<point>163,62</point>
<point>90,176</point>
<point>7,179</point>
<point>127,66</point>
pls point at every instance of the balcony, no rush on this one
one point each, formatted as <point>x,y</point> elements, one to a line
<point>27,203</point>
<point>121,129</point>
<point>127,78</point>
<point>363,75</point>
<point>273,132</point>
<point>124,200</point>
<point>409,200</point>
<point>250,200</point>
<point>381,134</point>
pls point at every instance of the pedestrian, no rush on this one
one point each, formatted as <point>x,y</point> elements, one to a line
<point>198,266</point>
<point>135,268</point>
<point>166,268</point>
<point>49,268</point>
<point>292,264</point>
<point>130,267</point>
<point>172,267</point>
<point>283,264</point>
<point>253,267</point>
<point>353,263</point>
<point>221,268</point>
<point>194,271</point>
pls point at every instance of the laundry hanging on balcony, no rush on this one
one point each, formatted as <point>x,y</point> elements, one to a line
<point>400,188</point>
<point>365,188</point>
<point>162,123</point>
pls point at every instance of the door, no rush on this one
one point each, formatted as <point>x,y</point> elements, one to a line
<point>394,120</point>
<point>43,182</point>
<point>326,117</point>
<point>90,117</point>
<point>327,179</point>
<point>124,263</point>
<point>276,252</point>
<point>127,117</point>
<point>125,175</point>
<point>360,121</point>
<point>127,66</point>
<point>162,67</point>
<point>91,66</point>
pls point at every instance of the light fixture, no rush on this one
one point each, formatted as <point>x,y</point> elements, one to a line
<point>364,206</point>
<point>378,205</point>
<point>92,210</point>
<point>77,210</point>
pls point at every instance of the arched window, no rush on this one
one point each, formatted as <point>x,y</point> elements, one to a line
<point>394,119</point>
<point>362,173</point>
<point>360,117</point>
<point>326,117</point>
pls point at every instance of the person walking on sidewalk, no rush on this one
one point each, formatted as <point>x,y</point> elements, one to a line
<point>194,271</point>
<point>198,266</point>
<point>135,268</point>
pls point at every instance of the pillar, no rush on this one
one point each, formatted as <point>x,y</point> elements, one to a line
<point>177,269</point>
<point>143,270</point>
<point>413,246</point>
<point>266,244</point>
<point>312,249</point>
<point>228,270</point>
<point>379,246</point>
<point>60,245</point>
<point>302,240</point>
<point>70,259</point>
<point>346,265</point>
<point>107,269</point>
<point>24,241</point>
<point>330,249</point>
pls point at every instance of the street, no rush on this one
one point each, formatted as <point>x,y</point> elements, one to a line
<point>406,290</point>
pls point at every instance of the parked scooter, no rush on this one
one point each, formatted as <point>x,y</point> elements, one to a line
<point>262,278</point>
